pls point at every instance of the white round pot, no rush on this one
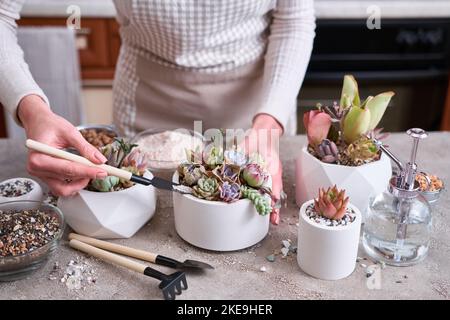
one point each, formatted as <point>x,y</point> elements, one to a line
<point>218,226</point>
<point>36,194</point>
<point>360,183</point>
<point>109,215</point>
<point>325,252</point>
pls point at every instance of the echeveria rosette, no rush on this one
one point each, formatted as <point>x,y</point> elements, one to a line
<point>261,201</point>
<point>104,185</point>
<point>207,188</point>
<point>227,172</point>
<point>235,157</point>
<point>229,192</point>
<point>254,175</point>
<point>331,203</point>
<point>190,173</point>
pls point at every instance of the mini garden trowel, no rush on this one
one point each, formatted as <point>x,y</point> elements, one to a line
<point>141,254</point>
<point>113,171</point>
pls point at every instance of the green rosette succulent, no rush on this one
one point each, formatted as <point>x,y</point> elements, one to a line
<point>105,185</point>
<point>207,188</point>
<point>261,201</point>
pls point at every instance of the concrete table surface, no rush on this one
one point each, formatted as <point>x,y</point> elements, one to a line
<point>237,274</point>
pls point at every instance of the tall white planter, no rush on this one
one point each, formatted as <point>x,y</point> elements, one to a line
<point>327,252</point>
<point>110,215</point>
<point>360,183</point>
<point>218,226</point>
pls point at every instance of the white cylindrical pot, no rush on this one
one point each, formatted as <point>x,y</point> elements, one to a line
<point>218,226</point>
<point>360,183</point>
<point>327,252</point>
<point>110,215</point>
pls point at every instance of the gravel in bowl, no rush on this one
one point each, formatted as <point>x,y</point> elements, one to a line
<point>29,232</point>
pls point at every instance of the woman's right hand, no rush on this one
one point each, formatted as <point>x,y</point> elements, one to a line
<point>63,177</point>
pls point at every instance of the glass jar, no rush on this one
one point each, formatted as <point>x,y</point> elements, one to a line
<point>398,226</point>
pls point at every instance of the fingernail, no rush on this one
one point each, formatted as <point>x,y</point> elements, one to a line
<point>101,175</point>
<point>100,157</point>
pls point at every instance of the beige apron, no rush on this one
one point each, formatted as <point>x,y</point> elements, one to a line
<point>174,98</point>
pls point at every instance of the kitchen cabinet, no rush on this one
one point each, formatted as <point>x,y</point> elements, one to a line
<point>97,40</point>
<point>445,125</point>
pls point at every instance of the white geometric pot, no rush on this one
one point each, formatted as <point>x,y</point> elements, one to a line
<point>218,226</point>
<point>110,215</point>
<point>327,252</point>
<point>360,183</point>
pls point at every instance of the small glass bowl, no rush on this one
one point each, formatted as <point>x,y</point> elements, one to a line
<point>162,166</point>
<point>18,267</point>
<point>432,196</point>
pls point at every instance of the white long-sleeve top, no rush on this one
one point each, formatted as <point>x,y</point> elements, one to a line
<point>199,35</point>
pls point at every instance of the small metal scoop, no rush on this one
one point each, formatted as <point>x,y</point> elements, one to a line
<point>141,254</point>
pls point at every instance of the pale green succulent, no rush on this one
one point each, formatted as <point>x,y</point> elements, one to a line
<point>361,117</point>
<point>261,201</point>
<point>105,185</point>
<point>206,188</point>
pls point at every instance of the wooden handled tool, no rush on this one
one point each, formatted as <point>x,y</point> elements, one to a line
<point>171,285</point>
<point>141,254</point>
<point>112,171</point>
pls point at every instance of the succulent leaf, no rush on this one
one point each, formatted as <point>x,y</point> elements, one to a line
<point>377,107</point>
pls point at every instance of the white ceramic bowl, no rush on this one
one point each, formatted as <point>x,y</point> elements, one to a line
<point>218,226</point>
<point>36,194</point>
<point>109,215</point>
<point>326,252</point>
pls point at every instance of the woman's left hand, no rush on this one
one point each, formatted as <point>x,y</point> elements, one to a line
<point>266,132</point>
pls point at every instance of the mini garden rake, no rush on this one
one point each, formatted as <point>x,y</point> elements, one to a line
<point>171,285</point>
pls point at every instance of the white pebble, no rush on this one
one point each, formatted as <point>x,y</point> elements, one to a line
<point>363,265</point>
<point>263,269</point>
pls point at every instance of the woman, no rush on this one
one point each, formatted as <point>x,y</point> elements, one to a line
<point>229,63</point>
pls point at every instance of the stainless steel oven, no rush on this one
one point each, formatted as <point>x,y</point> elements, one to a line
<point>408,56</point>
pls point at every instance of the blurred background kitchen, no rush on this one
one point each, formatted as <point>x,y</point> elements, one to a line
<point>409,54</point>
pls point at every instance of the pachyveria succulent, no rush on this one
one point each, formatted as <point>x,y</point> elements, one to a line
<point>331,203</point>
<point>343,127</point>
<point>261,201</point>
<point>327,151</point>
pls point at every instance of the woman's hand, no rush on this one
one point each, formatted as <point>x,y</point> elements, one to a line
<point>64,178</point>
<point>266,132</point>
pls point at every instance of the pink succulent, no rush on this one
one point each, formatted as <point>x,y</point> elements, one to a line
<point>317,124</point>
<point>331,203</point>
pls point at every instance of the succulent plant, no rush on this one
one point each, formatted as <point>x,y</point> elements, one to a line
<point>377,134</point>
<point>331,203</point>
<point>206,188</point>
<point>254,175</point>
<point>116,152</point>
<point>227,172</point>
<point>361,151</point>
<point>190,173</point>
<point>229,192</point>
<point>261,201</point>
<point>213,156</point>
<point>317,124</point>
<point>104,185</point>
<point>136,159</point>
<point>235,157</point>
<point>361,117</point>
<point>327,151</point>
